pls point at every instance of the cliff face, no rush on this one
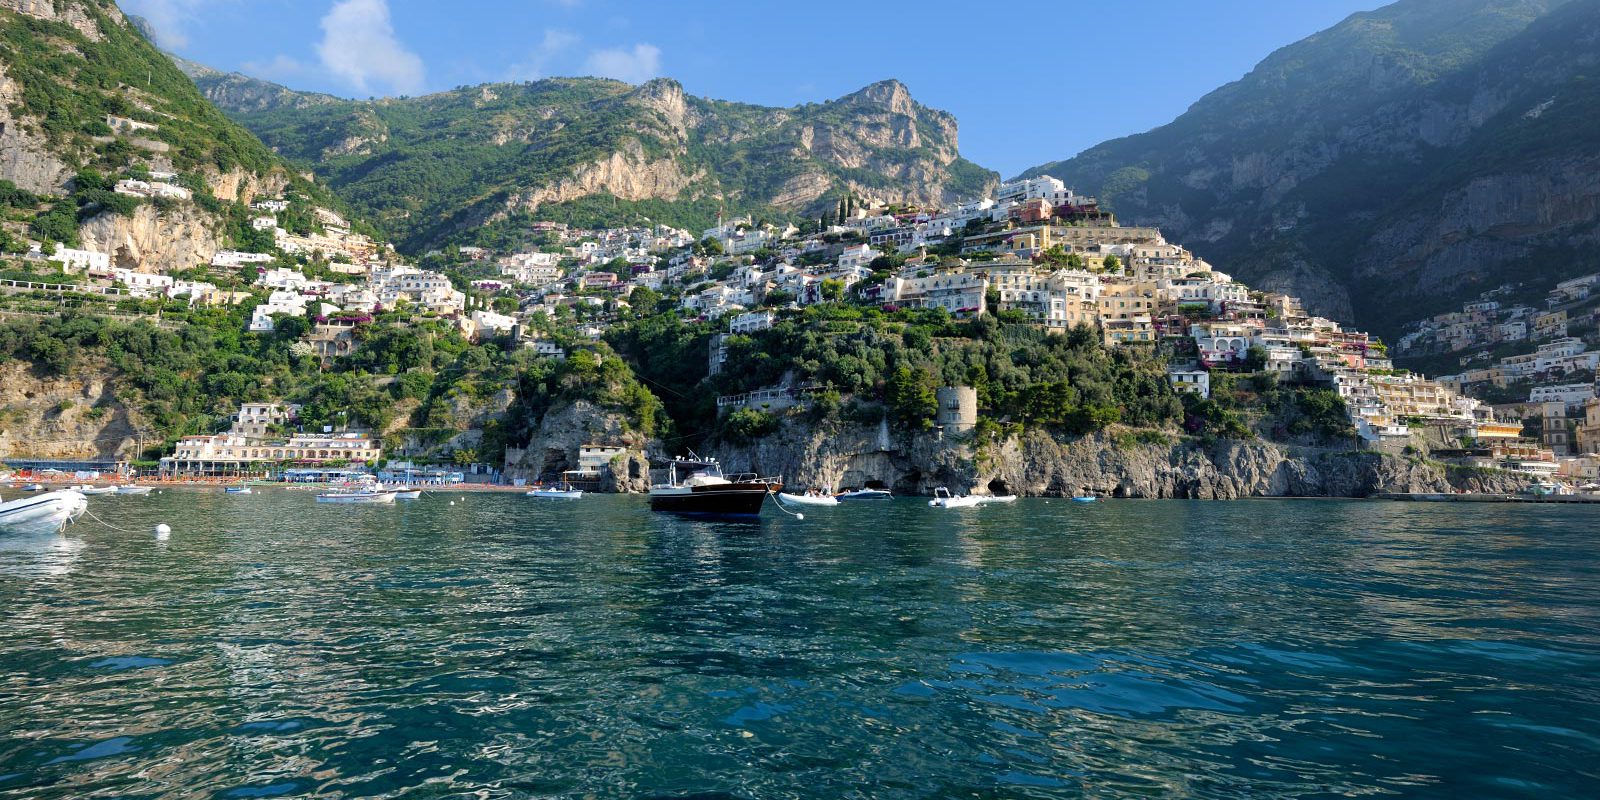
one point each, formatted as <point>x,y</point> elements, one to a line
<point>152,240</point>
<point>486,151</point>
<point>562,431</point>
<point>1037,464</point>
<point>1387,167</point>
<point>70,417</point>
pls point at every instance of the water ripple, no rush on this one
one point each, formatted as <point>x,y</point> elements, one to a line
<point>501,648</point>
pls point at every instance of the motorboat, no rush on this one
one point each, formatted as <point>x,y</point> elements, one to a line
<point>238,490</point>
<point>942,498</point>
<point>1086,498</point>
<point>555,493</point>
<point>131,489</point>
<point>696,486</point>
<point>563,490</point>
<point>865,494</point>
<point>93,491</point>
<point>33,487</point>
<point>407,494</point>
<point>46,513</point>
<point>357,496</point>
<point>809,499</point>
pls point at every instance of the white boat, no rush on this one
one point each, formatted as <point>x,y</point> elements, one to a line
<point>131,489</point>
<point>407,494</point>
<point>91,491</point>
<point>46,513</point>
<point>362,497</point>
<point>984,500</point>
<point>555,493</point>
<point>237,490</point>
<point>32,487</point>
<point>809,499</point>
<point>865,494</point>
<point>942,498</point>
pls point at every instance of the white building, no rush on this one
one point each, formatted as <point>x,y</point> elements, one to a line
<point>74,260</point>
<point>238,258</point>
<point>752,321</point>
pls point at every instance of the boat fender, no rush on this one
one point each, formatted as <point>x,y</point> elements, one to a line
<point>163,531</point>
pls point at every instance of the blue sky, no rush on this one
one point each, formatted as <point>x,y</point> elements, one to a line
<point>1029,82</point>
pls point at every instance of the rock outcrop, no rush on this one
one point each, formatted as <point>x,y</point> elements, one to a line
<point>1108,464</point>
<point>77,416</point>
<point>563,431</point>
<point>152,239</point>
<point>26,158</point>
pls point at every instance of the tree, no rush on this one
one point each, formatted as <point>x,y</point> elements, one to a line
<point>912,399</point>
<point>711,246</point>
<point>833,290</point>
<point>1112,264</point>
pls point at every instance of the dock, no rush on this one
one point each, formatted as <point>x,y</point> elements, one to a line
<point>1441,497</point>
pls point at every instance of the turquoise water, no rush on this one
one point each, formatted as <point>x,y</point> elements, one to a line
<point>506,647</point>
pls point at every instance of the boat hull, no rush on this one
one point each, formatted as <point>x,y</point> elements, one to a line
<point>556,494</point>
<point>721,500</point>
<point>133,490</point>
<point>866,494</point>
<point>46,513</point>
<point>408,494</point>
<point>808,500</point>
<point>357,499</point>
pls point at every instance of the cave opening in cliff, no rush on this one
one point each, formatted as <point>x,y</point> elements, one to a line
<point>999,487</point>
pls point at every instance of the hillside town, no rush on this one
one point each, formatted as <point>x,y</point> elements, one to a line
<point>1036,253</point>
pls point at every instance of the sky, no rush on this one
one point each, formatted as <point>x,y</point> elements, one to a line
<point>1029,83</point>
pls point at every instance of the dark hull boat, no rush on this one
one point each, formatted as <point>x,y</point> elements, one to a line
<point>696,487</point>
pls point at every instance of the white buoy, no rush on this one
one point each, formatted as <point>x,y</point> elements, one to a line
<point>163,531</point>
<point>799,515</point>
<point>452,502</point>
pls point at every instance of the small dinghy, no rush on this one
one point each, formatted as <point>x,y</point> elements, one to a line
<point>1004,498</point>
<point>1088,498</point>
<point>131,489</point>
<point>238,490</point>
<point>91,491</point>
<point>407,494</point>
<point>809,499</point>
<point>46,513</point>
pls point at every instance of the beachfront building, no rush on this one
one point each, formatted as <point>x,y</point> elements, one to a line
<point>251,445</point>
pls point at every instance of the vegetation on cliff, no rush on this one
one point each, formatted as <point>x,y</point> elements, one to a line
<point>431,170</point>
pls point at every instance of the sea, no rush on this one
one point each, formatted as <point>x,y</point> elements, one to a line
<point>499,646</point>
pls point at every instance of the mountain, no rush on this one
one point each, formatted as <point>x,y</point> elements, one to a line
<point>1389,166</point>
<point>439,168</point>
<point>86,99</point>
<point>72,65</point>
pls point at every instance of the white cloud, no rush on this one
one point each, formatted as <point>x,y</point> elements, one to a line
<point>638,65</point>
<point>359,46</point>
<point>169,19</point>
<point>554,43</point>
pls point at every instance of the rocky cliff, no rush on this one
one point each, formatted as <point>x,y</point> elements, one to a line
<point>77,416</point>
<point>1389,166</point>
<point>152,239</point>
<point>1108,464</point>
<point>562,431</point>
<point>487,151</point>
